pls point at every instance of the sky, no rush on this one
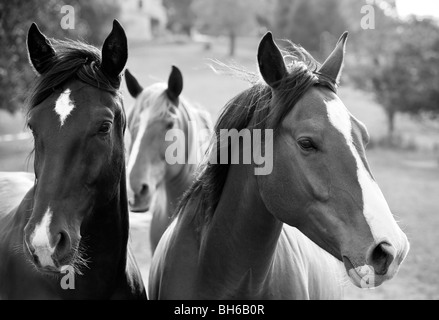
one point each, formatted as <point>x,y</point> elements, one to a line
<point>418,7</point>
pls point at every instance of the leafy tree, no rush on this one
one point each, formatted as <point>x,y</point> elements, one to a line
<point>15,73</point>
<point>305,21</point>
<point>180,15</point>
<point>409,81</point>
<point>96,18</point>
<point>227,17</point>
<point>398,61</point>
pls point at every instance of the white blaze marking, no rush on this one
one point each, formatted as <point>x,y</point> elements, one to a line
<point>40,240</point>
<point>375,208</point>
<point>135,150</point>
<point>64,106</point>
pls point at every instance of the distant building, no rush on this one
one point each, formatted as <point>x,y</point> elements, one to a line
<point>143,19</point>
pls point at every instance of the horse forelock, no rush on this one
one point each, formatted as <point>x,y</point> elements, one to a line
<point>152,104</point>
<point>74,60</point>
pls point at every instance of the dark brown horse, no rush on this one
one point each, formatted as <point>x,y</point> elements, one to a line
<point>67,236</point>
<point>282,231</point>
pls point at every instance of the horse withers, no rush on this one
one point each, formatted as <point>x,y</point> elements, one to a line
<point>67,236</point>
<point>294,231</point>
<point>156,181</point>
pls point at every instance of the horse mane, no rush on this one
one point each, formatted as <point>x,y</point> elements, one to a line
<point>73,60</point>
<point>253,109</point>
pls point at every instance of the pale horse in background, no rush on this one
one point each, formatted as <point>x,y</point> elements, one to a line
<point>157,185</point>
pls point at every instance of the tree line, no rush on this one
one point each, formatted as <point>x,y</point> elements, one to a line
<point>93,22</point>
<point>397,59</point>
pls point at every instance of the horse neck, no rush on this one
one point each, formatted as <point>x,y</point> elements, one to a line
<point>109,223</point>
<point>174,188</point>
<point>106,238</point>
<point>239,244</point>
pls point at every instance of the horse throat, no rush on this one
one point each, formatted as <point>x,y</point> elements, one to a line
<point>105,236</point>
<point>239,244</point>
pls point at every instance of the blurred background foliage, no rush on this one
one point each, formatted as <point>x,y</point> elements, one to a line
<point>398,60</point>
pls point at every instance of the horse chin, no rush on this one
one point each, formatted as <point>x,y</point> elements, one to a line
<point>363,277</point>
<point>139,209</point>
<point>49,271</point>
<point>74,262</point>
<point>139,206</point>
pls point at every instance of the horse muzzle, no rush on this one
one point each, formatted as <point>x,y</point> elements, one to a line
<point>140,203</point>
<point>381,264</point>
<point>51,251</point>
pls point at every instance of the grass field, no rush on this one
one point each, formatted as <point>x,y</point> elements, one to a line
<point>409,180</point>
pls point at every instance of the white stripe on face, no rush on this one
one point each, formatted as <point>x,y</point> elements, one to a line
<point>375,208</point>
<point>64,106</point>
<point>135,150</point>
<point>40,240</point>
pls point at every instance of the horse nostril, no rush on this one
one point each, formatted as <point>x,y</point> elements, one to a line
<point>63,246</point>
<point>381,258</point>
<point>144,190</point>
<point>36,260</point>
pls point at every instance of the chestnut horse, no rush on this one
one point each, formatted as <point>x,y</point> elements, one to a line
<point>245,234</point>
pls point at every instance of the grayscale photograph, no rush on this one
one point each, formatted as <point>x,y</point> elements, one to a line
<point>219,150</point>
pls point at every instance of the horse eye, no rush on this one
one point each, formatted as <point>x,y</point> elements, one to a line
<point>105,128</point>
<point>170,125</point>
<point>32,130</point>
<point>306,144</point>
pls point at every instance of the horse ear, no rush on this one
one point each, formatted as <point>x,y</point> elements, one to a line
<point>134,88</point>
<point>114,52</point>
<point>271,62</point>
<point>39,48</point>
<point>333,65</point>
<point>175,85</point>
